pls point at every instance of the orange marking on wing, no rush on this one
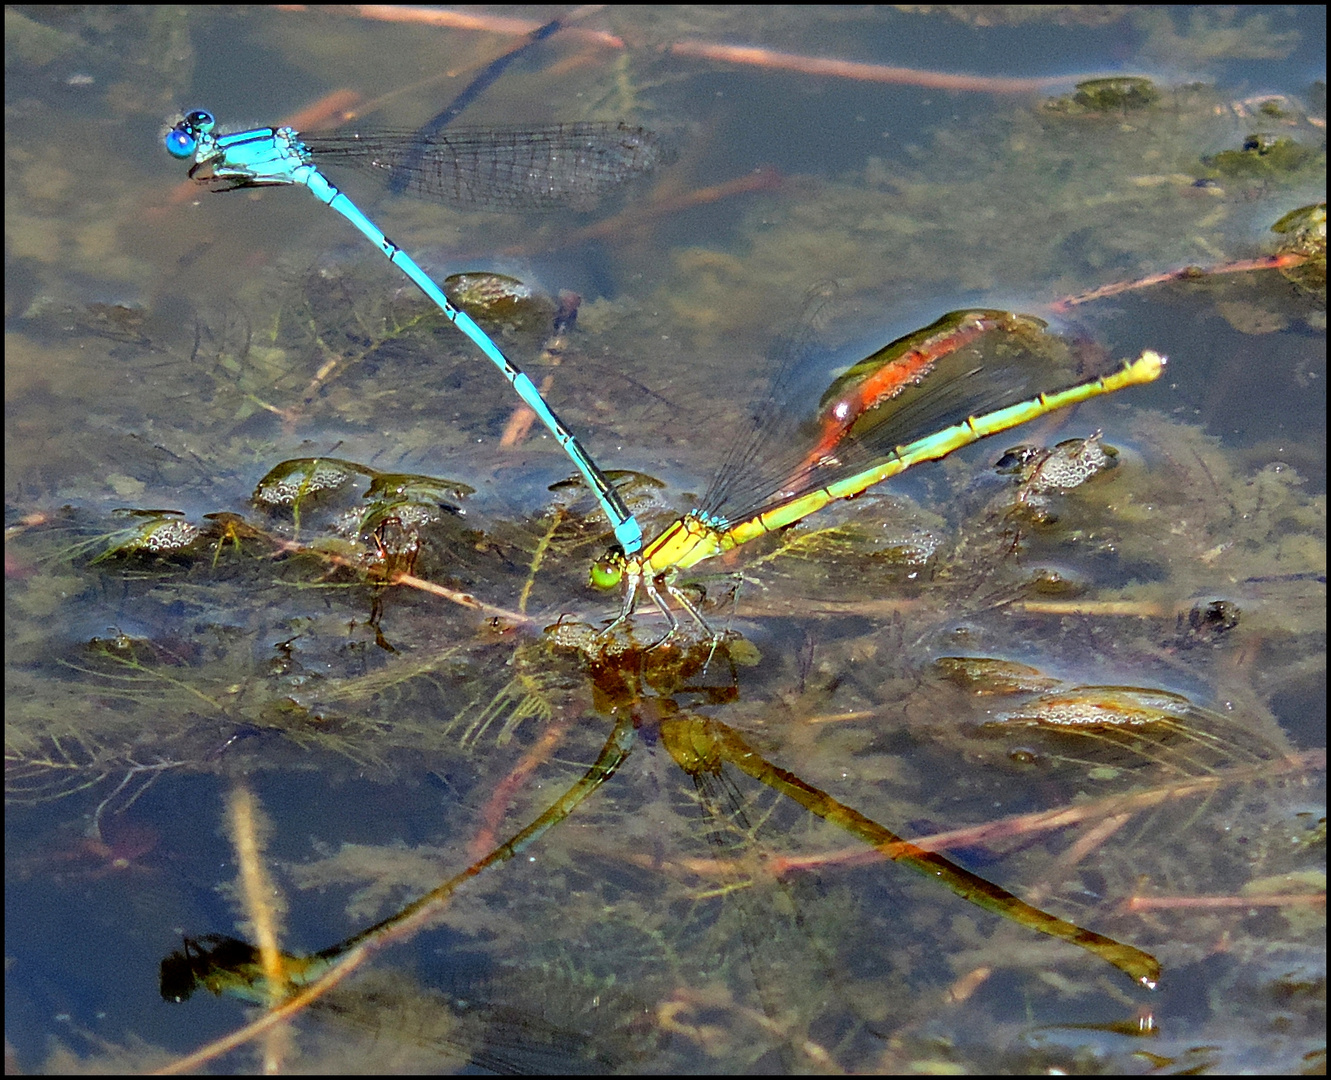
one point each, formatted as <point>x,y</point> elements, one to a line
<point>909,369</point>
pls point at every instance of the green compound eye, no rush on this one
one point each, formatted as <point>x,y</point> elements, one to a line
<point>606,574</point>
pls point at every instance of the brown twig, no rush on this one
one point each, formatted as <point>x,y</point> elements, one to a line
<point>1023,824</point>
<point>471,20</point>
<point>1162,903</point>
<point>849,69</point>
<point>460,598</point>
<point>1186,273</point>
<point>492,814</point>
<point>256,889</point>
<point>411,581</point>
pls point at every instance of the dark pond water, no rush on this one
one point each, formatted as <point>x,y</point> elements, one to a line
<point>959,651</point>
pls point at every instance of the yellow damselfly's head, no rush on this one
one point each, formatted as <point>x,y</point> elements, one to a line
<point>608,571</point>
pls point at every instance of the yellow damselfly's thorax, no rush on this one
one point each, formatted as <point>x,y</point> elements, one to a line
<point>686,543</point>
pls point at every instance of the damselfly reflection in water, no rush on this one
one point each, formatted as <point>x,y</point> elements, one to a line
<point>750,928</point>
<point>664,890</point>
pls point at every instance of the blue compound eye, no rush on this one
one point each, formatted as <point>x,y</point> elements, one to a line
<point>183,139</point>
<point>181,143</point>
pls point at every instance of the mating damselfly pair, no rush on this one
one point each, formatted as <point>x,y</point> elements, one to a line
<point>904,404</point>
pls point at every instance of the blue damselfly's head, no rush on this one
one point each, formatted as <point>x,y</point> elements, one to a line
<point>183,139</point>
